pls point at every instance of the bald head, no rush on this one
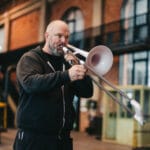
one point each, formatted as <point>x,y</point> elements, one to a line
<point>55,24</point>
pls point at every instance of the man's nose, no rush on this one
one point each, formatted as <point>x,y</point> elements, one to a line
<point>63,39</point>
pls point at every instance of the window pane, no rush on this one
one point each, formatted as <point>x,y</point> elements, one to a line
<point>133,68</point>
<point>149,69</point>
<point>125,69</point>
<point>141,19</point>
<point>140,73</point>
<point>146,106</point>
<point>141,7</point>
<point>140,55</point>
<point>129,69</point>
<point>1,39</point>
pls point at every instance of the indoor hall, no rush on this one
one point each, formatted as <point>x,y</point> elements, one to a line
<point>122,26</point>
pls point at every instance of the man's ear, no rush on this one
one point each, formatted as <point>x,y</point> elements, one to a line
<point>46,35</point>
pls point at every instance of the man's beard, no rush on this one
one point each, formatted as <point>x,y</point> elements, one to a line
<point>56,51</point>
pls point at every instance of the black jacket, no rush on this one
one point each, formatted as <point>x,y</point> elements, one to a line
<point>41,106</point>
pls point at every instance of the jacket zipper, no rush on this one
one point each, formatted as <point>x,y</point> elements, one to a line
<point>62,88</point>
<point>63,123</point>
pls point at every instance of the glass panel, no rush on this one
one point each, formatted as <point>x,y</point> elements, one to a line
<point>1,39</point>
<point>74,18</point>
<point>141,19</point>
<point>71,26</point>
<point>141,6</point>
<point>125,69</point>
<point>127,10</point>
<point>140,73</point>
<point>137,95</point>
<point>79,21</point>
<point>129,69</point>
<point>112,117</point>
<point>149,69</point>
<point>129,36</point>
<point>140,55</point>
<point>146,107</point>
<point>112,108</point>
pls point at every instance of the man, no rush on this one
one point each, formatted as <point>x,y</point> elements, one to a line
<point>45,113</point>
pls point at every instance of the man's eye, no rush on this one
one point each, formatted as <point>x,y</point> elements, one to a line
<point>58,35</point>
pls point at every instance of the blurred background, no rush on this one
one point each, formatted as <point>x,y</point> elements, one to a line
<point>121,25</point>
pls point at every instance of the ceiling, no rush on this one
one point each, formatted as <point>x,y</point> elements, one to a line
<point>5,3</point>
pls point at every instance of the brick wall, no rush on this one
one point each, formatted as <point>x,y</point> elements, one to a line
<point>111,13</point>
<point>24,30</point>
<point>112,75</point>
<point>61,6</point>
<point>112,10</point>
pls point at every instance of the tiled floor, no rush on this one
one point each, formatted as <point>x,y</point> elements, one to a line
<point>82,141</point>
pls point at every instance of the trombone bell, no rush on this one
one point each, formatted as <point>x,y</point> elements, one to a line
<point>100,58</point>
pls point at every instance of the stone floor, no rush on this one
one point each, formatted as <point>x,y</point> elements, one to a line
<point>82,141</point>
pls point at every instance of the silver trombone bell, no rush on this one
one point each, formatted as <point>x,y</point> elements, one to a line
<point>100,59</point>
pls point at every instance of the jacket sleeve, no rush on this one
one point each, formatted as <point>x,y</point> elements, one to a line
<point>32,78</point>
<point>83,88</point>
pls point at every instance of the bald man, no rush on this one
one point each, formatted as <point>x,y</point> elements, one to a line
<point>47,85</point>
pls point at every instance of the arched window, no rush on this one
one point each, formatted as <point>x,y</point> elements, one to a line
<point>74,18</point>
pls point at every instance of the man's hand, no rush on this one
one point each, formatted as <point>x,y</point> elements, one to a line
<point>77,72</point>
<point>71,59</point>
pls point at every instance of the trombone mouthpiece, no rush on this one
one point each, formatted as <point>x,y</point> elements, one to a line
<point>65,49</point>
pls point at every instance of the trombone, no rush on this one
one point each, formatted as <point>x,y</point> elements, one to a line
<point>98,62</point>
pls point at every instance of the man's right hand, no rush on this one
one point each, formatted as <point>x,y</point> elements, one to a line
<point>77,72</point>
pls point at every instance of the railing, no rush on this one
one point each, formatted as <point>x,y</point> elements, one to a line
<point>129,33</point>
